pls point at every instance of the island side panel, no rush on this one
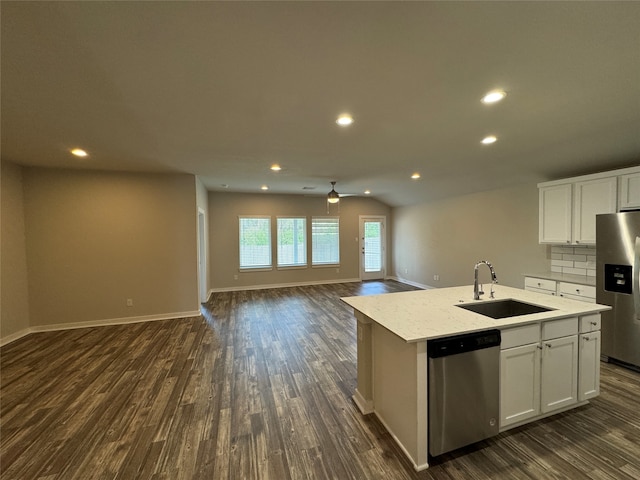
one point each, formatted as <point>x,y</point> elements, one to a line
<point>400,391</point>
<point>363,396</point>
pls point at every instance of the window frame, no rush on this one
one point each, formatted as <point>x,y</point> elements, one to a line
<point>256,268</point>
<point>314,263</point>
<point>290,266</point>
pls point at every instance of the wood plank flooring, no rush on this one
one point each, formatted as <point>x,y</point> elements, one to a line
<point>260,388</point>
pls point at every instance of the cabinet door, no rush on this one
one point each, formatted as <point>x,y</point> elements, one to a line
<point>555,214</point>
<point>590,199</point>
<point>589,366</point>
<point>559,382</point>
<point>629,196</point>
<point>540,285</point>
<point>519,384</point>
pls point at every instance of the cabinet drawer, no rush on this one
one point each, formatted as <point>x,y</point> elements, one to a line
<point>539,284</point>
<point>590,323</point>
<point>522,335</point>
<point>559,328</point>
<point>573,290</point>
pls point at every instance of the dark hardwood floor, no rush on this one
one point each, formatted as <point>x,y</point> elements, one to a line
<point>260,389</point>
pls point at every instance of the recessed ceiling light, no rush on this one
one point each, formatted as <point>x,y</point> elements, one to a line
<point>78,152</point>
<point>415,176</point>
<point>264,187</point>
<point>489,140</point>
<point>344,120</point>
<point>367,192</point>
<point>275,167</point>
<point>494,96</point>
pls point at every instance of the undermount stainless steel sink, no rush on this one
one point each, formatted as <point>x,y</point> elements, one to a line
<point>504,308</point>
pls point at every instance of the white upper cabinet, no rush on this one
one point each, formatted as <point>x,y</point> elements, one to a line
<point>629,191</point>
<point>591,198</point>
<point>568,207</point>
<point>555,214</point>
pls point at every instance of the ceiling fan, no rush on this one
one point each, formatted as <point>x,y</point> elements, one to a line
<point>334,197</point>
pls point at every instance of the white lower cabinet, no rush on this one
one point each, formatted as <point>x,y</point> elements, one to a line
<point>520,371</point>
<point>547,367</point>
<point>540,285</point>
<point>589,358</point>
<point>559,377</point>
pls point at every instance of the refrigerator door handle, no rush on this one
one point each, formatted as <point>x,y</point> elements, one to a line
<point>636,278</point>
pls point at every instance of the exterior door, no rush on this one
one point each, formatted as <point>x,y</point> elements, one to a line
<point>372,247</point>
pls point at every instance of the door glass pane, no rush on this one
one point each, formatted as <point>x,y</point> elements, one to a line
<point>372,247</point>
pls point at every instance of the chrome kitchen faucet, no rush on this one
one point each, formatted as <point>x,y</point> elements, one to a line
<point>478,291</point>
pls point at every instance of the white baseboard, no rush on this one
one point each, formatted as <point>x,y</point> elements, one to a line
<point>97,323</point>
<point>365,406</point>
<point>14,336</point>
<point>411,282</point>
<point>417,467</point>
<point>280,285</point>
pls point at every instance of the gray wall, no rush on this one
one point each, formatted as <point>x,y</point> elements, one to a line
<point>14,316</point>
<point>225,208</point>
<point>95,239</point>
<point>448,237</point>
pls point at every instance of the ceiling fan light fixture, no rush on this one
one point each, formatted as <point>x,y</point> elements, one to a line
<point>332,196</point>
<point>344,120</point>
<point>494,96</point>
<point>78,152</point>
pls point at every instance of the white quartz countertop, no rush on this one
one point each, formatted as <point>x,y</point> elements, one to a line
<point>428,314</point>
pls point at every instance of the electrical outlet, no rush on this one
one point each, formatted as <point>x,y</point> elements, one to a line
<point>129,302</point>
<point>235,277</point>
<point>436,278</point>
<point>406,270</point>
<point>337,270</point>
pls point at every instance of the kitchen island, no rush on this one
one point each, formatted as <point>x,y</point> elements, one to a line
<point>394,331</point>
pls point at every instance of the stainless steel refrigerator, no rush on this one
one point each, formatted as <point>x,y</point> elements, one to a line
<point>618,285</point>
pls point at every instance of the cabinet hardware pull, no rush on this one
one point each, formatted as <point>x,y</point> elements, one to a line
<point>586,338</point>
<point>539,347</point>
<point>548,345</point>
<point>594,323</point>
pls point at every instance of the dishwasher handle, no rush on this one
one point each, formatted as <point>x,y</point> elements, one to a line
<point>467,342</point>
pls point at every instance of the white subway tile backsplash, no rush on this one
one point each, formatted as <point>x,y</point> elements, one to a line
<point>561,249</point>
<point>575,271</point>
<point>562,263</point>
<point>575,259</point>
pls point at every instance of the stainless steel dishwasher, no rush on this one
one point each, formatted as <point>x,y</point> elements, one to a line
<point>464,377</point>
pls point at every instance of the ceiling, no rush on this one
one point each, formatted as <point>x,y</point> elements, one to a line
<point>223,90</point>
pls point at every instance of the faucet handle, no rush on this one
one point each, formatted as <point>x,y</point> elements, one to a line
<point>480,290</point>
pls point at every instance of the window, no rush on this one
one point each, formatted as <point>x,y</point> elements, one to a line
<point>325,240</point>
<point>255,242</point>
<point>292,242</point>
